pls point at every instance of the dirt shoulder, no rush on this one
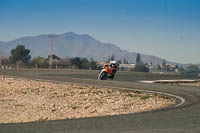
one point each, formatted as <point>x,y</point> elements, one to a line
<point>190,84</point>
<point>24,100</point>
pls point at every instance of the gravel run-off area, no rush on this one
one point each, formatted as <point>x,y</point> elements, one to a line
<point>25,100</point>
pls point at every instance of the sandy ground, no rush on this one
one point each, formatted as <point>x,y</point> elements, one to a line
<point>24,100</point>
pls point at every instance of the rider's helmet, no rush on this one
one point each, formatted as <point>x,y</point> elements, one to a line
<point>113,64</point>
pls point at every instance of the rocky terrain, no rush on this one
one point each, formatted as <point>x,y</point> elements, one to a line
<point>23,100</point>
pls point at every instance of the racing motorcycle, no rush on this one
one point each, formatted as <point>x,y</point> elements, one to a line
<point>108,71</point>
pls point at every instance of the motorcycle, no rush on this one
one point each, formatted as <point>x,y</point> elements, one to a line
<point>107,72</point>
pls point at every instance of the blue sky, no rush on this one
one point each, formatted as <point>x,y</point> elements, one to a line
<point>169,29</point>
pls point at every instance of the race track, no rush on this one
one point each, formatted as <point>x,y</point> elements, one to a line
<point>181,119</point>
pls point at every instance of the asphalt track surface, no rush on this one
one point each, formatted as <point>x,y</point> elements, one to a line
<point>182,119</point>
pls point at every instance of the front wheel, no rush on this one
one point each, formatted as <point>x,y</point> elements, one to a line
<point>102,76</point>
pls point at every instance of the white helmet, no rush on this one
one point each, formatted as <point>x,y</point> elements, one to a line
<point>113,62</point>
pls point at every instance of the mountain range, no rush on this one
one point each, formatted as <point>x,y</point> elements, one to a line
<point>71,45</point>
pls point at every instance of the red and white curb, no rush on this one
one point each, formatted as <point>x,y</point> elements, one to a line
<point>169,81</point>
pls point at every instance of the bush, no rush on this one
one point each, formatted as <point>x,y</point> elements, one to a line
<point>141,67</point>
<point>80,63</point>
<point>65,63</point>
<point>192,70</point>
<point>93,64</point>
<point>40,61</point>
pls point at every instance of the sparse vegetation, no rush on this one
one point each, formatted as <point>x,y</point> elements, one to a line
<point>165,97</point>
<point>144,97</point>
<point>74,107</point>
<point>131,95</point>
<point>137,92</point>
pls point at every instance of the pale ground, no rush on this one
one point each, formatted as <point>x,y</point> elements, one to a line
<point>24,100</point>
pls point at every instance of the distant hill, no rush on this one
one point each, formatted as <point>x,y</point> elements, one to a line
<point>70,45</point>
<point>2,52</point>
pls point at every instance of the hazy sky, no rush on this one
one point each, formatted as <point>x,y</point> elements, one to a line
<point>169,29</point>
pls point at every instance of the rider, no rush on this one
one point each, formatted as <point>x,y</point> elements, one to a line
<point>111,69</point>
